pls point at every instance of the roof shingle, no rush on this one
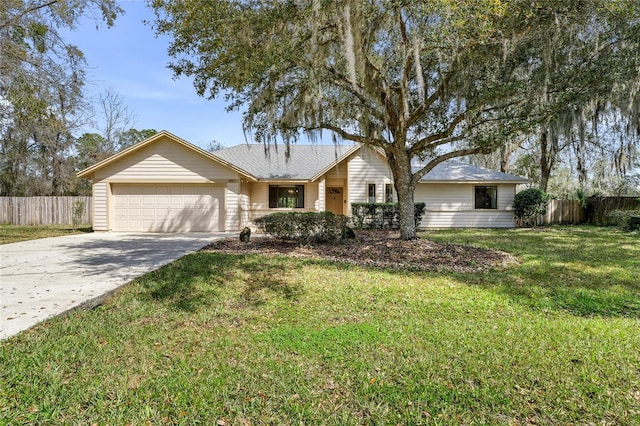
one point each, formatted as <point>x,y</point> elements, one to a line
<point>456,170</point>
<point>306,161</point>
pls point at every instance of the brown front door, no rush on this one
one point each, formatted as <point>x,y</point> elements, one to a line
<point>335,200</point>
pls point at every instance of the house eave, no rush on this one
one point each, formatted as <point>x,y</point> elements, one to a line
<point>335,163</point>
<point>89,171</point>
<point>284,180</point>
<point>477,182</point>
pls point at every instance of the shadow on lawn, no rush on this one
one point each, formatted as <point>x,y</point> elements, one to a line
<point>586,271</point>
<point>199,281</point>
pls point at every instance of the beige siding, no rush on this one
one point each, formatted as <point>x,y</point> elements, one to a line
<point>447,197</point>
<point>259,196</point>
<point>506,194</point>
<point>165,161</point>
<point>452,206</point>
<point>257,200</point>
<point>312,195</point>
<point>232,205</point>
<point>339,172</point>
<point>100,206</point>
<point>245,200</point>
<point>468,219</point>
<point>365,167</point>
<point>334,182</point>
<point>320,203</point>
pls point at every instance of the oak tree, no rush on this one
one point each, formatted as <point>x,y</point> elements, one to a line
<point>431,80</point>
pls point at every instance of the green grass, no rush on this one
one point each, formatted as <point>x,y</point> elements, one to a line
<point>17,233</point>
<point>246,339</point>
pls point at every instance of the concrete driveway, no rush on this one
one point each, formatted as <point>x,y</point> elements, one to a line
<point>46,277</point>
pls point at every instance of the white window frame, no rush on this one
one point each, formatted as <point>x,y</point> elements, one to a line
<point>373,199</point>
<point>388,196</point>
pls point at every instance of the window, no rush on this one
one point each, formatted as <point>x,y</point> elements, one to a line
<point>372,193</point>
<point>486,197</point>
<point>388,193</point>
<point>286,196</point>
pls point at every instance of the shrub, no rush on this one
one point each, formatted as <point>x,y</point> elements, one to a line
<point>529,204</point>
<point>304,226</point>
<point>382,215</point>
<point>629,220</point>
<point>633,222</point>
<point>418,212</point>
<point>77,213</point>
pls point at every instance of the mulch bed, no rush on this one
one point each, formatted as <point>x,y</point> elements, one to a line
<point>380,249</point>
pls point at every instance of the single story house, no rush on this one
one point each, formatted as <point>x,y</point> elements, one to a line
<point>166,184</point>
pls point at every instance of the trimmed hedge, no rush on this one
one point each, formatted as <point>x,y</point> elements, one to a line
<point>305,226</point>
<point>382,215</point>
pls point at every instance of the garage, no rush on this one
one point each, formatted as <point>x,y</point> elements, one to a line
<point>167,207</point>
<point>165,184</point>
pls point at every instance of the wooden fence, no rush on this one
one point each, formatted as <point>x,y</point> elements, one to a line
<point>570,212</point>
<point>598,208</point>
<point>43,210</point>
<point>562,212</point>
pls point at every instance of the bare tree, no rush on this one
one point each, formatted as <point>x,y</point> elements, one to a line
<point>114,119</point>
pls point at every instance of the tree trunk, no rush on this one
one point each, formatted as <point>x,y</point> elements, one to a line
<point>56,175</point>
<point>403,180</point>
<point>545,162</point>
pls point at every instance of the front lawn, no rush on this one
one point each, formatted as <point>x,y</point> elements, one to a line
<point>222,338</point>
<point>17,233</point>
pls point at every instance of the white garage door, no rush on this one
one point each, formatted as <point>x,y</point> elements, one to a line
<point>167,208</point>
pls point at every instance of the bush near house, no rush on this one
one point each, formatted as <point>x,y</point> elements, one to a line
<point>382,215</point>
<point>304,226</point>
<point>529,204</point>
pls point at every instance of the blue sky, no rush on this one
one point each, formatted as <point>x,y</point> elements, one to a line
<point>130,59</point>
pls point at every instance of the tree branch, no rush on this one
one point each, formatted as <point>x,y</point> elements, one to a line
<point>384,95</point>
<point>440,159</point>
<point>424,142</point>
<point>358,92</point>
<point>349,136</point>
<point>406,72</point>
<point>28,11</point>
<point>415,116</point>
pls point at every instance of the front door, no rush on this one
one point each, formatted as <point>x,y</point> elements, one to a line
<point>335,200</point>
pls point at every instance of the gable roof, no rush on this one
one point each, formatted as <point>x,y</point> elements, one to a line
<point>457,171</point>
<point>158,136</point>
<point>310,162</point>
<point>305,162</point>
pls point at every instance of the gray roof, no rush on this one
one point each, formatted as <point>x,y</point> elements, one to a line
<point>304,162</point>
<point>307,161</point>
<point>456,170</point>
